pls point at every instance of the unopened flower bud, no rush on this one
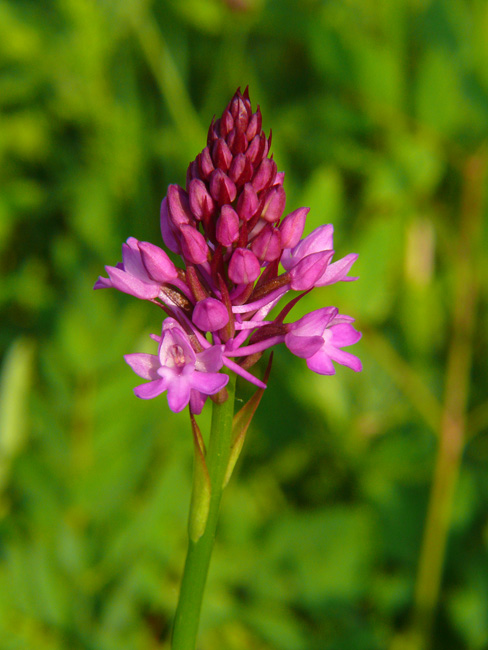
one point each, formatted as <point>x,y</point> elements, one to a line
<point>205,164</point>
<point>168,230</point>
<point>274,204</point>
<point>157,263</point>
<point>201,203</point>
<point>240,170</point>
<point>178,206</point>
<point>193,245</point>
<point>255,150</point>
<point>226,123</point>
<point>254,126</point>
<point>222,155</point>
<point>247,203</point>
<point>292,226</point>
<point>237,141</point>
<point>267,245</point>
<point>227,231</point>
<point>210,315</point>
<point>222,188</point>
<point>264,174</point>
<point>244,266</point>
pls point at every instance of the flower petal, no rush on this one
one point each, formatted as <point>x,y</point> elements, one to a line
<point>197,401</point>
<point>179,392</point>
<point>210,360</point>
<point>321,363</point>
<point>344,334</point>
<point>345,358</point>
<point>129,284</point>
<point>337,271</point>
<point>303,346</point>
<point>152,389</point>
<point>208,383</point>
<point>144,365</point>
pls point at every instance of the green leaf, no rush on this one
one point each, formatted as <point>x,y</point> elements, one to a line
<point>200,498</point>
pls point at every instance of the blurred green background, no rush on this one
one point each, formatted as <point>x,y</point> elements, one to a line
<point>379,112</point>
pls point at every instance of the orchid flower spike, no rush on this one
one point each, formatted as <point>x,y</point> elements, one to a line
<point>240,255</point>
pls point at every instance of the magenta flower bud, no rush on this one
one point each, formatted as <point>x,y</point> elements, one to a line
<point>178,206</point>
<point>221,155</point>
<point>222,188</point>
<point>292,226</point>
<point>237,141</point>
<point>267,245</point>
<point>247,203</point>
<point>201,203</point>
<point>167,229</point>
<point>244,266</point>
<point>255,150</point>
<point>279,178</point>
<point>241,112</point>
<point>240,170</point>
<point>226,123</point>
<point>255,124</point>
<point>193,245</point>
<point>205,164</point>
<point>157,263</point>
<point>227,230</point>
<point>274,204</point>
<point>210,315</point>
<point>264,175</point>
<point>308,270</point>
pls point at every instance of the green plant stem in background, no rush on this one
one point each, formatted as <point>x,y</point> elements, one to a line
<point>453,423</point>
<point>198,557</point>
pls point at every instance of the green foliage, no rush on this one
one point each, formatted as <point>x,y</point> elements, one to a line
<point>379,113</point>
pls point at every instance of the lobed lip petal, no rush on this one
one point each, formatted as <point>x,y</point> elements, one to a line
<point>179,393</point>
<point>152,389</point>
<point>321,363</point>
<point>345,358</point>
<point>303,346</point>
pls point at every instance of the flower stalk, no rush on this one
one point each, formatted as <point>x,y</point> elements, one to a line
<point>199,552</point>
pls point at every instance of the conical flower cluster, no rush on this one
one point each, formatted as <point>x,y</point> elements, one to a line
<point>228,228</point>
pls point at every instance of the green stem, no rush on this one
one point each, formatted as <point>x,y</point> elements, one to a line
<point>199,553</point>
